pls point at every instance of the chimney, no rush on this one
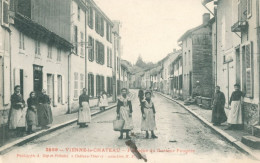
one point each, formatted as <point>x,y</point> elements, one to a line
<point>206,18</point>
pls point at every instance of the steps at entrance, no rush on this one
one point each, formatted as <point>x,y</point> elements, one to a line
<point>256,131</point>
<point>251,141</point>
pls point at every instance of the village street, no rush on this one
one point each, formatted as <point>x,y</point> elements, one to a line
<point>179,134</point>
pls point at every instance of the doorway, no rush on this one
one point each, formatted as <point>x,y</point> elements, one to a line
<point>60,89</point>
<point>238,72</point>
<point>190,84</point>
<point>21,83</point>
<point>1,81</point>
<point>50,86</point>
<point>37,79</point>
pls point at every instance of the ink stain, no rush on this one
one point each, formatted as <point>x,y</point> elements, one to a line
<point>134,150</point>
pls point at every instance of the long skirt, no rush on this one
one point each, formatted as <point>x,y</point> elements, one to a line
<point>44,114</point>
<point>235,114</point>
<point>84,115</point>
<point>124,115</point>
<point>148,123</point>
<point>103,102</point>
<point>17,118</point>
<point>31,117</point>
<point>218,114</point>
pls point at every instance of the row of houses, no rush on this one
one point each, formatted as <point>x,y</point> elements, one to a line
<point>223,50</point>
<point>61,46</point>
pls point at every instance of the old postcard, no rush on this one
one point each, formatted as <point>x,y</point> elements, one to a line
<point>129,81</point>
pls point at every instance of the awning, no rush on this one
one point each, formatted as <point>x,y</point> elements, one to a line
<point>204,2</point>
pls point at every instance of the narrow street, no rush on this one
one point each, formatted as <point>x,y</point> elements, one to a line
<point>179,134</point>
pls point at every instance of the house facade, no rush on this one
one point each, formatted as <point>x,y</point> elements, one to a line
<point>238,53</point>
<point>196,46</point>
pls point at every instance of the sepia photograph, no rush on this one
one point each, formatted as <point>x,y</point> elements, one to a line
<point>129,81</point>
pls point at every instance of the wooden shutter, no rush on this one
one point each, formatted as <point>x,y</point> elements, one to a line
<point>249,69</point>
<point>5,16</point>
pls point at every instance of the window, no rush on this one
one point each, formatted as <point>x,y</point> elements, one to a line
<point>91,50</point>
<point>248,74</point>
<point>111,58</point>
<point>249,8</point>
<point>5,15</point>
<point>100,53</point>
<point>102,27</point>
<point>76,39</point>
<point>91,85</point>
<point>108,31</point>
<point>21,41</point>
<point>90,18</point>
<point>76,87</point>
<point>81,44</point>
<point>49,52</point>
<point>96,22</point>
<point>109,86</point>
<point>78,13</point>
<point>81,82</point>
<point>108,57</point>
<point>97,85</point>
<point>37,47</point>
<point>59,55</point>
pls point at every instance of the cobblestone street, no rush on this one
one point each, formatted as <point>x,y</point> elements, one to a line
<point>180,134</point>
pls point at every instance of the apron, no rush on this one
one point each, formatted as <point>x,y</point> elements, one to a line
<point>84,115</point>
<point>148,124</point>
<point>235,114</point>
<point>17,118</point>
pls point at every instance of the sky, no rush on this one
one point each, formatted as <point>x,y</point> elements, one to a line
<point>151,28</point>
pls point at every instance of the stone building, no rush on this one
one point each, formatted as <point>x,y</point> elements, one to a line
<point>196,46</point>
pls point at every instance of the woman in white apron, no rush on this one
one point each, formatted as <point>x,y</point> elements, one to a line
<point>103,102</point>
<point>235,114</point>
<point>84,115</point>
<point>148,116</point>
<point>124,112</point>
<point>17,113</point>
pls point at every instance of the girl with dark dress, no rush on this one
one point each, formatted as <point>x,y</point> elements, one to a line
<point>17,112</point>
<point>44,111</point>
<point>31,116</point>
<point>124,112</point>
<point>141,95</point>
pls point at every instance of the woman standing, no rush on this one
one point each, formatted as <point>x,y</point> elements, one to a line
<point>148,116</point>
<point>84,115</point>
<point>124,112</point>
<point>103,102</point>
<point>31,116</point>
<point>235,114</point>
<point>17,112</point>
<point>44,110</point>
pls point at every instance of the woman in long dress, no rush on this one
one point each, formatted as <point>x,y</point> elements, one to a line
<point>17,113</point>
<point>148,116</point>
<point>235,114</point>
<point>124,112</point>
<point>84,115</point>
<point>103,102</point>
<point>31,116</point>
<point>44,110</point>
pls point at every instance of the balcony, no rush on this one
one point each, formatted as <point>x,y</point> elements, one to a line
<point>239,26</point>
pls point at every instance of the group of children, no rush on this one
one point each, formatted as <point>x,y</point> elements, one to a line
<point>124,112</point>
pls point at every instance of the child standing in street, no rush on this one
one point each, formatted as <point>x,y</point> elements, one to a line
<point>148,116</point>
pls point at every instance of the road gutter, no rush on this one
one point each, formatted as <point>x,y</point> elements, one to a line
<point>240,146</point>
<point>28,138</point>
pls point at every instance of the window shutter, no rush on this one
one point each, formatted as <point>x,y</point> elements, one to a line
<point>108,58</point>
<point>249,69</point>
<point>5,15</point>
